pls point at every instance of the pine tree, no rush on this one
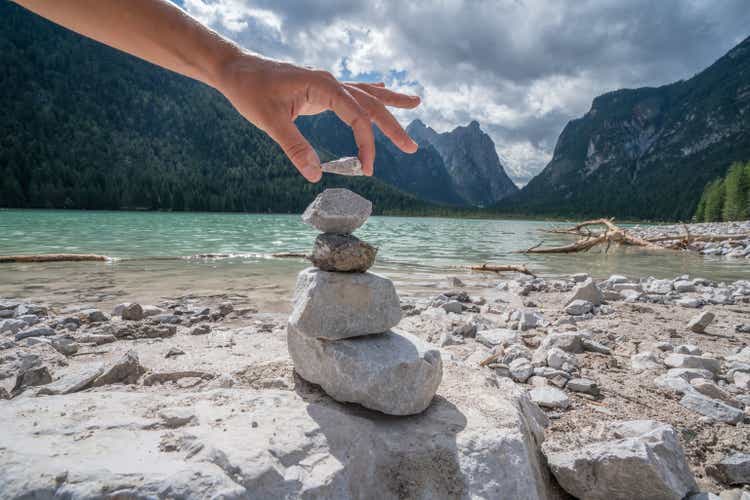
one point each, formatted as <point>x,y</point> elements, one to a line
<point>735,194</point>
<point>715,201</point>
<point>700,210</point>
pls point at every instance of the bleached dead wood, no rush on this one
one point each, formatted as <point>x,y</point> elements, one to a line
<point>53,257</point>
<point>502,269</point>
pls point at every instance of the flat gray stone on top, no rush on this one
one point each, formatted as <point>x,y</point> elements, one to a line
<point>342,305</point>
<point>349,165</point>
<point>394,373</point>
<point>337,210</point>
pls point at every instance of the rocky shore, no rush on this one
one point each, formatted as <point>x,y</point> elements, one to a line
<point>551,386</point>
<point>733,249</point>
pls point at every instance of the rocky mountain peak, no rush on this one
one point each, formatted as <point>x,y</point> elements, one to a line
<point>471,160</point>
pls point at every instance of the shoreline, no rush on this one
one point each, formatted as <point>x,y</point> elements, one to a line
<point>482,214</point>
<point>199,343</point>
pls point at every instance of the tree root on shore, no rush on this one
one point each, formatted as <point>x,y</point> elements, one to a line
<point>53,257</point>
<point>501,269</point>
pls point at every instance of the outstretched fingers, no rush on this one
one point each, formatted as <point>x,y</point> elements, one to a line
<point>384,119</point>
<point>387,96</point>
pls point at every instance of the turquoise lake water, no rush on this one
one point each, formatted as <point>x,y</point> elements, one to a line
<point>411,250</point>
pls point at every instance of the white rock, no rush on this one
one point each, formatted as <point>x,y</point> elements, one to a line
<point>521,369</point>
<point>587,291</point>
<point>342,305</point>
<point>349,165</point>
<point>246,443</point>
<point>658,287</point>
<point>689,302</point>
<point>712,408</point>
<point>713,391</point>
<point>558,359</point>
<point>498,336</point>
<point>395,373</point>
<point>644,460</point>
<point>699,323</point>
<point>684,286</point>
<point>644,361</point>
<point>337,210</point>
<point>452,306</point>
<point>688,349</point>
<point>549,397</point>
<point>688,361</point>
<point>742,380</point>
<point>579,307</point>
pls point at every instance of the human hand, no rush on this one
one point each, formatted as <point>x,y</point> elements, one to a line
<point>272,94</point>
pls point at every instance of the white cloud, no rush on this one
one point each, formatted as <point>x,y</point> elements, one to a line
<point>522,68</point>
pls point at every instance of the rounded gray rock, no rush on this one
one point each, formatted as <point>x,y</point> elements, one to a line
<point>342,253</point>
<point>342,305</point>
<point>394,373</point>
<point>337,210</point>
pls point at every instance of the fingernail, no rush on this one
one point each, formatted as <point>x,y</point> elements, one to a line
<point>312,173</point>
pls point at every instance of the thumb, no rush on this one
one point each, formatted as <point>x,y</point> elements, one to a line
<point>299,151</point>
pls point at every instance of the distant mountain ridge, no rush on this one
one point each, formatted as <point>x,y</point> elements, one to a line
<point>421,174</point>
<point>647,153</point>
<point>471,161</point>
<point>460,167</point>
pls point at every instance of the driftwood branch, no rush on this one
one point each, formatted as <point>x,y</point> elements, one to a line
<point>502,269</point>
<point>53,257</point>
<point>297,255</point>
<point>611,234</point>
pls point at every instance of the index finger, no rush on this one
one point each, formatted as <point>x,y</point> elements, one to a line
<point>348,109</point>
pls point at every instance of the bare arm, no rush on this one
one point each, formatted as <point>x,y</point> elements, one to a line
<point>268,93</point>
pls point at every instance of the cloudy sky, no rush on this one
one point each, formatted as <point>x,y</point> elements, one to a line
<point>522,68</point>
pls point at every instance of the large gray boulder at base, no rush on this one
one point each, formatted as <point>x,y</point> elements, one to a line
<point>479,440</point>
<point>337,210</point>
<point>395,373</point>
<point>342,305</point>
<point>640,459</point>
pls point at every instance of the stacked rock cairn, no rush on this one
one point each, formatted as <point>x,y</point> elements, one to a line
<point>339,333</point>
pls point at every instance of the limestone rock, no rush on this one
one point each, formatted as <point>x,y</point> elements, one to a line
<point>126,370</point>
<point>643,460</point>
<point>732,469</point>
<point>583,385</point>
<point>688,361</point>
<point>349,165</point>
<point>337,210</point>
<point>395,373</point>
<point>343,253</point>
<point>587,291</point>
<point>498,336</point>
<point>549,397</point>
<point>579,307</point>
<point>699,323</point>
<point>521,369</point>
<point>72,382</point>
<point>342,305</point>
<point>712,408</point>
<point>479,440</point>
<point>38,331</point>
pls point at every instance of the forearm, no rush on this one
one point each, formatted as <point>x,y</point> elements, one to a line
<point>154,30</point>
